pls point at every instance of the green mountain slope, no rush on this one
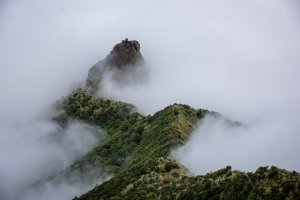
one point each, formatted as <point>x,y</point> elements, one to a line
<point>137,153</point>
<point>132,136</point>
<point>166,180</point>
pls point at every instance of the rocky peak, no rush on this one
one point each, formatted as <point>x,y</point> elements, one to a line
<point>125,53</point>
<point>124,57</point>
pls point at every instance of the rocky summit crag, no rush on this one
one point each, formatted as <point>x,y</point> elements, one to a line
<point>124,58</point>
<point>137,149</point>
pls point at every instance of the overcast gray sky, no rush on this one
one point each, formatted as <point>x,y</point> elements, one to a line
<point>239,58</point>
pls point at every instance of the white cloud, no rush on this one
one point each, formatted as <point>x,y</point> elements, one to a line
<point>216,144</point>
<point>240,58</point>
<point>33,151</point>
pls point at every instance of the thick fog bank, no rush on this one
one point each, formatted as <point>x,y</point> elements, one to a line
<point>34,150</point>
<point>215,144</point>
<point>239,58</point>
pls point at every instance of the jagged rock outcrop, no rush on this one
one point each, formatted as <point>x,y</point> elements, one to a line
<point>124,57</point>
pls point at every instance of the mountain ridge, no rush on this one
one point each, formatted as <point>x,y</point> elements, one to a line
<point>148,156</point>
<point>137,149</point>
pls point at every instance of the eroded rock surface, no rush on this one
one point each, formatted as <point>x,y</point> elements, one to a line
<point>124,57</point>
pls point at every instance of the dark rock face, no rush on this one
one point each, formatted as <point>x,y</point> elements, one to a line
<point>124,57</point>
<point>125,53</point>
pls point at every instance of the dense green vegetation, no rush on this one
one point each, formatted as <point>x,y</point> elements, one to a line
<point>132,137</point>
<point>137,152</point>
<point>163,182</point>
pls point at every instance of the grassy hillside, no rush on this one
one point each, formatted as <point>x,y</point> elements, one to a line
<point>165,179</point>
<point>132,137</point>
<point>137,152</point>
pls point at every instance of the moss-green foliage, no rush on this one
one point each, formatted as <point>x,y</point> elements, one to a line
<point>134,182</point>
<point>110,115</point>
<point>157,182</point>
<point>132,136</point>
<point>120,120</point>
<point>137,152</point>
<point>165,129</point>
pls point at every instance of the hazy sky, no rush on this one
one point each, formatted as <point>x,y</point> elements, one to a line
<point>239,58</point>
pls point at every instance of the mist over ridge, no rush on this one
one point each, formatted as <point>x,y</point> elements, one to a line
<point>237,58</point>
